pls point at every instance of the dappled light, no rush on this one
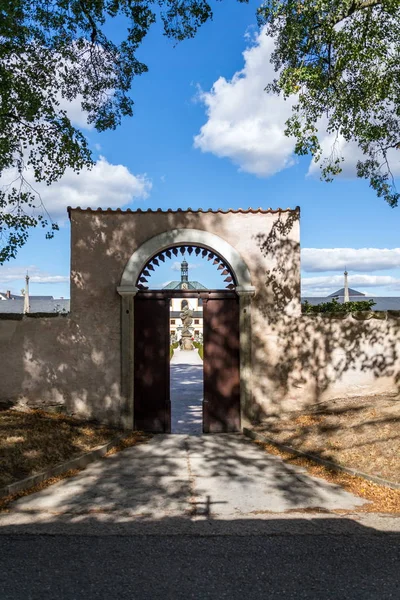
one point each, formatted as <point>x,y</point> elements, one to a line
<point>177,475</point>
<point>288,361</point>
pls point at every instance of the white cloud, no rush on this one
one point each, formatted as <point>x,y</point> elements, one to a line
<point>245,123</point>
<point>106,185</point>
<point>357,259</point>
<point>176,266</point>
<point>73,108</point>
<point>36,275</point>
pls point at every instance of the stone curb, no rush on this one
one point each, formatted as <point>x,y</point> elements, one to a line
<point>80,462</point>
<point>327,463</point>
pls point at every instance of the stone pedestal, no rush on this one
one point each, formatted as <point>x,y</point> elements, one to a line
<point>187,343</point>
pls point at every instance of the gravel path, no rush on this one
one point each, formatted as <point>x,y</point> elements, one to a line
<point>186,392</point>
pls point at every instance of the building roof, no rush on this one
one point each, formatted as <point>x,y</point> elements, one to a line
<point>3,296</point>
<point>341,293</point>
<point>37,304</point>
<point>191,285</point>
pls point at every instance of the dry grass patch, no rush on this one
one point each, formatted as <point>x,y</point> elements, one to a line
<point>362,433</point>
<point>381,498</point>
<point>32,441</point>
<point>135,437</point>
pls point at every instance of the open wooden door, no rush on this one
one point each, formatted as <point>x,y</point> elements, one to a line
<point>151,400</point>
<point>221,408</point>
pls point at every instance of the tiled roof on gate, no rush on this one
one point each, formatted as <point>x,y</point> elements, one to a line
<point>182,210</point>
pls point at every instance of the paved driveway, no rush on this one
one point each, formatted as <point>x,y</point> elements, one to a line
<point>195,517</point>
<point>202,477</point>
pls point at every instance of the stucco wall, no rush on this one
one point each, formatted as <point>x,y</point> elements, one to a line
<point>314,358</point>
<point>52,361</point>
<point>77,359</point>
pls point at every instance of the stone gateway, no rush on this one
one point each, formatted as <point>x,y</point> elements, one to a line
<point>95,361</point>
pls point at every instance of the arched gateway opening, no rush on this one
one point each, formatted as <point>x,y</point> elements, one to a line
<point>146,333</point>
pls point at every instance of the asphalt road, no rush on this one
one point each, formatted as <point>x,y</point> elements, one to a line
<point>279,566</point>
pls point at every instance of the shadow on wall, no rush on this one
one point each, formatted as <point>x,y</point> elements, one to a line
<point>307,358</point>
<point>76,360</point>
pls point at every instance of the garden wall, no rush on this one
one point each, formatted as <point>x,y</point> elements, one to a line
<point>75,360</point>
<point>49,362</point>
<point>315,358</point>
<point>54,361</point>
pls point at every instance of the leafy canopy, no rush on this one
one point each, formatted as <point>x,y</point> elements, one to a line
<point>341,58</point>
<point>57,50</point>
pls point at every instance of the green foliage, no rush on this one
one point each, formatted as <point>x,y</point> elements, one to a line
<point>333,306</point>
<point>341,59</point>
<point>200,348</point>
<point>53,50</point>
<point>172,348</point>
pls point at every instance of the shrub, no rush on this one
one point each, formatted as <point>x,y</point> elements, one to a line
<point>337,307</point>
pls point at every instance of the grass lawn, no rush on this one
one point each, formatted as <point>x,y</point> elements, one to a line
<point>33,440</point>
<point>362,433</point>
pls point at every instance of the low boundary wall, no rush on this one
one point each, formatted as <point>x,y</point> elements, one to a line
<point>48,361</point>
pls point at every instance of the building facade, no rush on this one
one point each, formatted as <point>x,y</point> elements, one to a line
<point>178,304</point>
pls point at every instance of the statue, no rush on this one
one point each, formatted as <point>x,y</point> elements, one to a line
<point>186,316</point>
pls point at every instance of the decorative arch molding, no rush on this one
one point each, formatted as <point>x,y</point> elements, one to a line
<point>178,237</point>
<point>128,290</point>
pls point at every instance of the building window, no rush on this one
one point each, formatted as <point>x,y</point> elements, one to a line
<point>172,321</point>
<point>196,321</point>
<point>183,304</point>
<point>196,332</point>
<point>172,331</point>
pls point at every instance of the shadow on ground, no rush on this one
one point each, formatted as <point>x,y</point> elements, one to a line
<point>218,476</point>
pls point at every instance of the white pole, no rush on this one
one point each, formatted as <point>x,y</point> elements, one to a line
<point>346,288</point>
<point>26,295</point>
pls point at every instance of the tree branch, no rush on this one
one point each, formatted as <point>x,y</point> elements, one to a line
<point>357,6</point>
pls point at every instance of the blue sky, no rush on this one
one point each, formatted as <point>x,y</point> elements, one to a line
<point>205,134</point>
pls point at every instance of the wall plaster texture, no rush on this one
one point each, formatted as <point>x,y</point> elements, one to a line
<point>295,359</point>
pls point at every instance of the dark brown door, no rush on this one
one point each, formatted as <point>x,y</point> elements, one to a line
<point>221,408</point>
<point>151,399</point>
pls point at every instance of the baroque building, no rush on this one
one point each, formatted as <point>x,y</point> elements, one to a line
<point>177,305</point>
